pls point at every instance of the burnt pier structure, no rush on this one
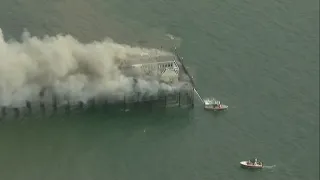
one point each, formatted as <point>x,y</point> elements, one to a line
<point>168,69</point>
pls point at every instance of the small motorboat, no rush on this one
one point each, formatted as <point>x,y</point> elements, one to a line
<point>213,104</point>
<point>252,164</point>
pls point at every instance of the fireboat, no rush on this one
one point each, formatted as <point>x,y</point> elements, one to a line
<point>214,104</point>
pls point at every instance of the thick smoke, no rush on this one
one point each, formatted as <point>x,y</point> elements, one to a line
<point>63,66</point>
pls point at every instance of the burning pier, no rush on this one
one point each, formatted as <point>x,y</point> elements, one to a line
<point>168,70</point>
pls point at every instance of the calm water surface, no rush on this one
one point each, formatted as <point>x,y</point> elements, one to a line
<point>259,57</point>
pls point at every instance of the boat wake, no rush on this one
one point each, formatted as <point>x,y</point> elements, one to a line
<point>269,167</point>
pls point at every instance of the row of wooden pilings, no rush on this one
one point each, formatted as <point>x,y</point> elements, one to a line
<point>42,106</point>
<point>54,106</point>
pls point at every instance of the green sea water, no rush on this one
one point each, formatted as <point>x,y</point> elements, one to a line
<point>259,57</point>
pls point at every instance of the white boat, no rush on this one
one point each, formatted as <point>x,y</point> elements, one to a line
<point>252,164</point>
<point>213,104</point>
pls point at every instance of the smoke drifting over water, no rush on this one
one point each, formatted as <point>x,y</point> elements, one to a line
<point>67,68</point>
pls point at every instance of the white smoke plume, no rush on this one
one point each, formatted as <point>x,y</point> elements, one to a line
<point>67,68</point>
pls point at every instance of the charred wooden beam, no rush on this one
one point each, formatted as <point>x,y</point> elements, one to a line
<point>16,112</point>
<point>3,111</point>
<point>28,105</point>
<point>54,103</point>
<point>42,107</point>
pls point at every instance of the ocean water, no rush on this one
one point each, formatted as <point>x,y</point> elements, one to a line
<point>259,57</point>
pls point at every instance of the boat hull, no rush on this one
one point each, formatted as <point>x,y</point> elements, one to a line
<point>244,164</point>
<point>215,109</point>
<point>223,107</point>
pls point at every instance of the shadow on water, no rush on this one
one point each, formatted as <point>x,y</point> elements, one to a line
<point>109,116</point>
<point>218,113</point>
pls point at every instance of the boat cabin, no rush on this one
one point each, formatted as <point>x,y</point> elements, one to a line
<point>254,161</point>
<point>211,103</point>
